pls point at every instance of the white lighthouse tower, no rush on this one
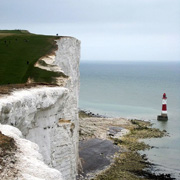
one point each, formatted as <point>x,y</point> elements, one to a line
<point>163,115</point>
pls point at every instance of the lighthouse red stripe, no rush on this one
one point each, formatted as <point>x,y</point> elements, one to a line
<point>164,108</point>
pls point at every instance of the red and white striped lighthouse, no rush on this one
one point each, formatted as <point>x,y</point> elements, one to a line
<point>163,115</point>
<point>164,105</point>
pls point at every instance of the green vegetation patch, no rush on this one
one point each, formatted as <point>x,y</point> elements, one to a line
<point>143,130</point>
<point>124,168</point>
<point>19,51</point>
<point>41,75</point>
<point>16,31</point>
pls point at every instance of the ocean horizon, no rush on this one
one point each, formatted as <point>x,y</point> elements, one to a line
<point>134,90</point>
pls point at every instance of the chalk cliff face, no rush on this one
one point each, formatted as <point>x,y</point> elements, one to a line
<point>24,162</point>
<point>48,116</point>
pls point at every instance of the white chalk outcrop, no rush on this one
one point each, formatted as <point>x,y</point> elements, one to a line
<point>29,163</point>
<point>48,116</point>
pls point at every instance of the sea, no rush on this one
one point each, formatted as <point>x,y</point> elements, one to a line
<point>134,90</point>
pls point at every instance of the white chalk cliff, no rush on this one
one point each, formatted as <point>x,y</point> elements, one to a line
<point>28,162</point>
<point>48,116</point>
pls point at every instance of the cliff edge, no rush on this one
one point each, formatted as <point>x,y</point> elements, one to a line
<point>48,116</point>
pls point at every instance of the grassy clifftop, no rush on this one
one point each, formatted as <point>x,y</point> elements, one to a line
<point>19,51</point>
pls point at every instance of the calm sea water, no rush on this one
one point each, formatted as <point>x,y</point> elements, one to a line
<point>134,90</point>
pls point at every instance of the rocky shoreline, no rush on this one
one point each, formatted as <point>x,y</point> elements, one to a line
<point>126,162</point>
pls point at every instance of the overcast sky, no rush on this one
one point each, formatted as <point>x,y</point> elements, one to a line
<point>108,29</point>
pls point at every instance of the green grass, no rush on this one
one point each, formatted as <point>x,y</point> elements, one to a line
<point>41,75</point>
<point>16,31</point>
<point>19,51</point>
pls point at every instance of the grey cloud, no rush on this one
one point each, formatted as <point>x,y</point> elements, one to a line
<point>66,11</point>
<point>108,29</point>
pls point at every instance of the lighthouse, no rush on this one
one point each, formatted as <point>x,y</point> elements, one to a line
<point>163,115</point>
